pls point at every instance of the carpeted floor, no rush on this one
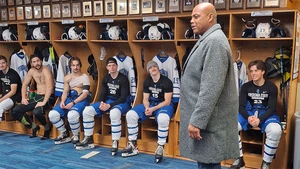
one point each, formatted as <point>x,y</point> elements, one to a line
<point>17,151</point>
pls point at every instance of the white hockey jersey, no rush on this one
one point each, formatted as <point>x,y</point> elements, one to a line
<point>240,73</point>
<point>63,70</point>
<point>18,62</point>
<point>125,66</point>
<point>168,67</point>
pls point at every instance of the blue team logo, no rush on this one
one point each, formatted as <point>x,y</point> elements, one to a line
<point>257,91</point>
<point>22,69</point>
<point>163,72</point>
<point>124,72</point>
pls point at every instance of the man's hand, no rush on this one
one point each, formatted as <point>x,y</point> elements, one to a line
<point>62,105</point>
<point>256,122</point>
<point>24,101</point>
<point>69,106</point>
<point>251,120</point>
<point>194,132</point>
<point>40,104</point>
<point>148,111</point>
<point>104,106</point>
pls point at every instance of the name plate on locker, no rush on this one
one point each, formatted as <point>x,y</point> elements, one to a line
<point>32,23</point>
<point>69,21</point>
<point>3,24</point>
<point>262,13</point>
<point>150,18</point>
<point>106,20</point>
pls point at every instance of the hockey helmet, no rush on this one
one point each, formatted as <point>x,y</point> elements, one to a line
<point>37,34</point>
<point>73,34</point>
<point>154,33</point>
<point>263,30</point>
<point>114,32</point>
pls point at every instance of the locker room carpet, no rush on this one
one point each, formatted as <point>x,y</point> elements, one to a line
<point>17,151</point>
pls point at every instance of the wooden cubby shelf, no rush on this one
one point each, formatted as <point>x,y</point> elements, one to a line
<point>233,26</point>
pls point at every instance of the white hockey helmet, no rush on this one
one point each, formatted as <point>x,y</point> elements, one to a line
<point>6,34</point>
<point>114,32</point>
<point>72,33</point>
<point>263,30</point>
<point>154,33</point>
<point>37,34</point>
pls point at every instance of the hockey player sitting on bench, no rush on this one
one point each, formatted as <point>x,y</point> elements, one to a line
<point>73,100</point>
<point>157,102</point>
<point>45,87</point>
<point>115,99</point>
<point>257,108</point>
<point>10,85</point>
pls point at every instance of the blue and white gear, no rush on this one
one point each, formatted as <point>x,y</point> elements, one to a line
<point>263,30</point>
<point>125,66</point>
<point>37,34</point>
<point>114,32</point>
<point>168,67</point>
<point>62,71</point>
<point>18,62</point>
<point>154,33</point>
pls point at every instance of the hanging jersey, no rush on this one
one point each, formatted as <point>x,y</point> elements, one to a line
<point>126,67</point>
<point>18,62</point>
<point>168,67</point>
<point>240,73</point>
<point>115,89</point>
<point>157,90</point>
<point>63,70</point>
<point>50,62</point>
<point>11,77</point>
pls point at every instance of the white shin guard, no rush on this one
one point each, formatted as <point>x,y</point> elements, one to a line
<point>163,121</point>
<point>116,126</point>
<point>73,118</point>
<point>132,124</point>
<point>57,121</point>
<point>88,120</point>
<point>273,134</point>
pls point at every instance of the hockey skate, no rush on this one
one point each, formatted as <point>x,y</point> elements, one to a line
<point>85,144</point>
<point>75,140</point>
<point>238,164</point>
<point>114,147</point>
<point>62,138</point>
<point>265,165</point>
<point>159,153</point>
<point>130,150</point>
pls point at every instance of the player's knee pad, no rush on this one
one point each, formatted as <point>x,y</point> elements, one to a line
<point>73,116</point>
<point>132,117</point>
<point>38,111</point>
<point>115,114</point>
<point>163,120</point>
<point>273,131</point>
<point>54,116</point>
<point>88,111</point>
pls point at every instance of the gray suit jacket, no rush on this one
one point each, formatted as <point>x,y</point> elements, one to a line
<point>209,100</point>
